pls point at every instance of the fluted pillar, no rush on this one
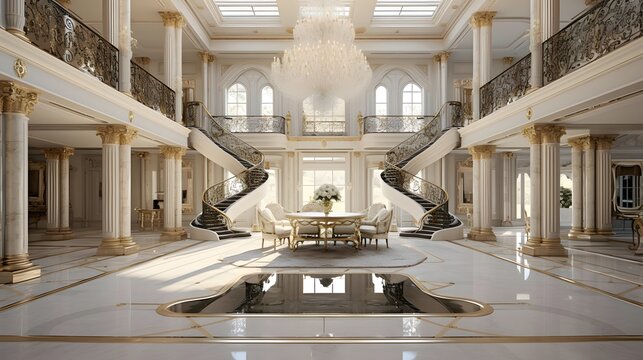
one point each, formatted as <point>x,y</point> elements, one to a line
<point>457,89</point>
<point>534,136</point>
<point>125,190</point>
<point>544,239</point>
<point>15,18</point>
<point>604,185</point>
<point>485,20</point>
<point>444,90</point>
<point>178,199</point>
<point>64,191</point>
<point>169,50</point>
<point>172,205</point>
<point>550,22</point>
<point>475,216</point>
<point>589,187</point>
<point>550,213</point>
<point>178,28</point>
<point>509,187</point>
<point>146,198</point>
<point>475,80</point>
<point>110,21</point>
<point>17,104</point>
<point>125,47</point>
<point>205,58</point>
<point>535,44</point>
<point>211,82</point>
<point>577,188</point>
<point>52,157</point>
<point>484,184</point>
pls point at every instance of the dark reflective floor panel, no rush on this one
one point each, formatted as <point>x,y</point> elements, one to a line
<point>296,293</point>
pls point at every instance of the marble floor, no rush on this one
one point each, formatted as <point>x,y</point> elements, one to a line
<point>585,306</point>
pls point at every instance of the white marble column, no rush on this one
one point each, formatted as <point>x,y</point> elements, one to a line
<point>577,188</point>
<point>475,216</point>
<point>486,19</point>
<point>178,199</point>
<point>604,185</point>
<point>15,18</point>
<point>17,104</point>
<point>172,230</point>
<point>212,81</point>
<point>169,50</point>
<point>128,245</point>
<point>509,187</point>
<point>534,136</point>
<point>550,21</point>
<point>589,187</point>
<point>550,213</point>
<point>52,157</point>
<point>444,90</point>
<point>110,21</point>
<point>144,184</point>
<point>110,245</point>
<point>178,28</point>
<point>485,153</point>
<point>475,81</point>
<point>535,44</point>
<point>457,89</point>
<point>65,229</point>
<point>125,47</point>
<point>205,58</point>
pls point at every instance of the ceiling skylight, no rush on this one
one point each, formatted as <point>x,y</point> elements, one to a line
<point>406,8</point>
<point>245,8</point>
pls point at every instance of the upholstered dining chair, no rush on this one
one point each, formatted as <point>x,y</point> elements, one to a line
<point>310,230</point>
<point>380,229</point>
<point>279,213</point>
<point>270,229</point>
<point>371,212</point>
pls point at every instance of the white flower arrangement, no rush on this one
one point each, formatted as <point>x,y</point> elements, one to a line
<point>327,192</point>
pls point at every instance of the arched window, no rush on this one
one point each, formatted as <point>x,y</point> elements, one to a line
<point>237,103</point>
<point>329,120</point>
<point>412,100</point>
<point>381,100</point>
<point>267,101</point>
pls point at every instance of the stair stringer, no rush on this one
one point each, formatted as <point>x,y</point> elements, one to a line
<point>197,233</point>
<point>208,148</point>
<point>402,201</point>
<point>248,201</point>
<point>446,143</point>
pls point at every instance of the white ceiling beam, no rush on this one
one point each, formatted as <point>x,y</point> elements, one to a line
<point>363,13</point>
<point>199,35</point>
<point>288,12</point>
<point>411,46</point>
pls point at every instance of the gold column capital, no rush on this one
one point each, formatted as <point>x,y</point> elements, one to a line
<point>212,58</point>
<point>179,21</point>
<point>533,134</point>
<point>444,56</point>
<point>66,152</point>
<point>508,60</point>
<point>576,143</point>
<point>482,151</point>
<point>604,142</point>
<point>143,155</point>
<point>205,56</point>
<point>16,99</point>
<point>482,18</point>
<point>172,152</point>
<point>587,142</point>
<point>508,155</point>
<point>169,17</point>
<point>109,134</point>
<point>436,58</point>
<point>552,133</point>
<point>127,135</point>
<point>52,153</point>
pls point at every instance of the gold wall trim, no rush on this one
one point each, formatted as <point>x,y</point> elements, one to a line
<point>323,340</point>
<point>556,276</point>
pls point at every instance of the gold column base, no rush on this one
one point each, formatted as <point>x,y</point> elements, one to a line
<point>59,234</point>
<point>174,234</point>
<point>19,34</point>
<point>113,247</point>
<point>574,233</point>
<point>16,276</point>
<point>482,235</point>
<point>473,233</point>
<point>555,249</point>
<point>592,237</point>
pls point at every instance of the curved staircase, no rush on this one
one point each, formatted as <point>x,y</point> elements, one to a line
<point>425,201</point>
<point>220,199</point>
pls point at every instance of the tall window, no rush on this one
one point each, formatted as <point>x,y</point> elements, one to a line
<point>267,101</point>
<point>237,100</point>
<point>381,101</point>
<point>412,100</point>
<point>319,170</point>
<point>324,120</point>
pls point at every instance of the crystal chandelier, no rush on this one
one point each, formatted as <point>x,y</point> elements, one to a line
<point>323,62</point>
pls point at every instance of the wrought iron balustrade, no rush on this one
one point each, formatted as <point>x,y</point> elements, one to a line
<point>152,92</point>
<point>395,123</point>
<point>509,86</point>
<point>324,128</point>
<point>253,124</point>
<point>52,28</point>
<point>604,28</point>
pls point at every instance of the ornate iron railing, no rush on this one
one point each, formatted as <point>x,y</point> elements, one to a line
<point>253,124</point>
<point>400,154</point>
<point>509,86</point>
<point>323,127</point>
<point>428,134</point>
<point>52,28</point>
<point>395,123</point>
<point>152,92</point>
<point>196,115</point>
<point>602,29</point>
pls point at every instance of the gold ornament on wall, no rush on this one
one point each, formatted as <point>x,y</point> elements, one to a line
<point>20,68</point>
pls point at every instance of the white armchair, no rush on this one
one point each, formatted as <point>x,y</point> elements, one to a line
<point>279,213</point>
<point>310,230</point>
<point>270,229</point>
<point>371,213</point>
<point>380,229</point>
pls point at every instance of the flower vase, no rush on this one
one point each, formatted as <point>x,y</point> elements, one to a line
<point>328,206</point>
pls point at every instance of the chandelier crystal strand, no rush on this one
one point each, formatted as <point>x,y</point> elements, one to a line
<point>323,61</point>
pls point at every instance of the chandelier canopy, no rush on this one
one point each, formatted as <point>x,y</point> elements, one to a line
<point>323,62</point>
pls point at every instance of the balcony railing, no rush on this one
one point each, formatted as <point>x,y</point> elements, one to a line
<point>395,123</point>
<point>151,92</point>
<point>253,124</point>
<point>52,28</point>
<point>509,86</point>
<point>604,28</point>
<point>324,128</point>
